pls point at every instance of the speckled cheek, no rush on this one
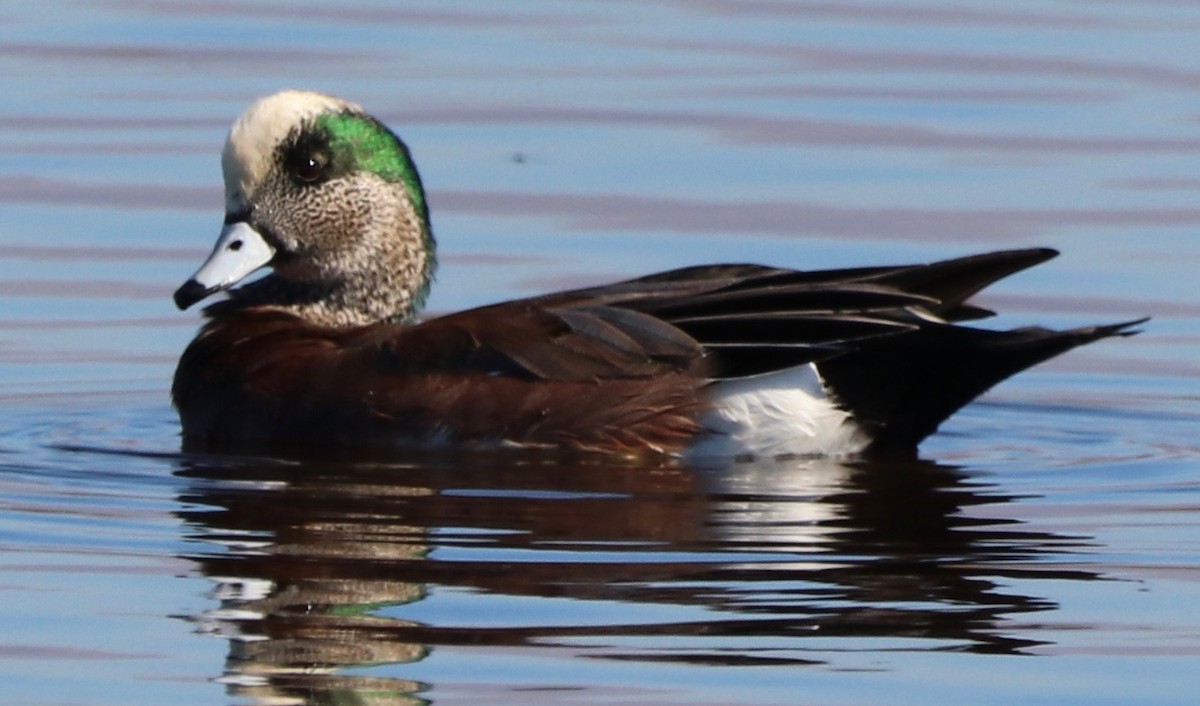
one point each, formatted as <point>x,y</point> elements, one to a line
<point>322,225</point>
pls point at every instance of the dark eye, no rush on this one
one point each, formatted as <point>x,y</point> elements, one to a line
<point>310,167</point>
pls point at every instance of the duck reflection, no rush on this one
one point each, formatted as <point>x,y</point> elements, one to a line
<point>321,565</point>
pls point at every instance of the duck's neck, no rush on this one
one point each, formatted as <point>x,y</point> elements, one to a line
<point>393,294</point>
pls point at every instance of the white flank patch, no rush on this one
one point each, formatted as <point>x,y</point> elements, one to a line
<point>250,147</point>
<point>786,413</point>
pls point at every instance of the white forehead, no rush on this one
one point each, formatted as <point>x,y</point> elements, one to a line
<point>254,136</point>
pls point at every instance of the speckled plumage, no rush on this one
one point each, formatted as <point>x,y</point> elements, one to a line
<point>357,246</point>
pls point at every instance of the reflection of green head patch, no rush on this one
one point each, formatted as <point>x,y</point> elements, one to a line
<point>367,144</point>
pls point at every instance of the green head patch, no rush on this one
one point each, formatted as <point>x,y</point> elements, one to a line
<point>367,144</point>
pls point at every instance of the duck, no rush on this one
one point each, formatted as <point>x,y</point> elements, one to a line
<point>329,350</point>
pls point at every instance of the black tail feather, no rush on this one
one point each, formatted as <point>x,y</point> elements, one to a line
<point>902,388</point>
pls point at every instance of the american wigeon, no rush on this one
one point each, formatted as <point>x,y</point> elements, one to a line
<point>327,349</point>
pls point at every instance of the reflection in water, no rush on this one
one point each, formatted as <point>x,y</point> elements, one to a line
<point>321,565</point>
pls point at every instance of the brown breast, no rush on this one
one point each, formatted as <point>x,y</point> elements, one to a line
<point>511,373</point>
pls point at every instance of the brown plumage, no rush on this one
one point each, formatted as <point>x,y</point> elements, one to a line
<point>266,376</point>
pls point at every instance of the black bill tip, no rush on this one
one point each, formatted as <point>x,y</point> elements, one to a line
<point>190,293</point>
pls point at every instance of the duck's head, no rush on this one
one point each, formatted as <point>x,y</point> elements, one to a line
<point>329,198</point>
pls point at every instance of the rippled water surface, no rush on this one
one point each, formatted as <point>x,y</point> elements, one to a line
<point>1046,549</point>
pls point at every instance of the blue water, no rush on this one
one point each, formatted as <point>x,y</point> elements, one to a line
<point>1045,550</point>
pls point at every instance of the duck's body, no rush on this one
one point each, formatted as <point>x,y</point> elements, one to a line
<point>731,358</point>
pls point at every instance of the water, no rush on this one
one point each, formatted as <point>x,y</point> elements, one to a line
<point>1043,551</point>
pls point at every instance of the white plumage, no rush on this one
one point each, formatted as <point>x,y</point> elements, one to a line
<point>782,413</point>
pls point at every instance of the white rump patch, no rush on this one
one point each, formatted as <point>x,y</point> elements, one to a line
<point>254,136</point>
<point>786,413</point>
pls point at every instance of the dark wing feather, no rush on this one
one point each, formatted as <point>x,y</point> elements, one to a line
<point>579,343</point>
<point>952,282</point>
<point>771,297</point>
<point>941,287</point>
<point>743,319</point>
